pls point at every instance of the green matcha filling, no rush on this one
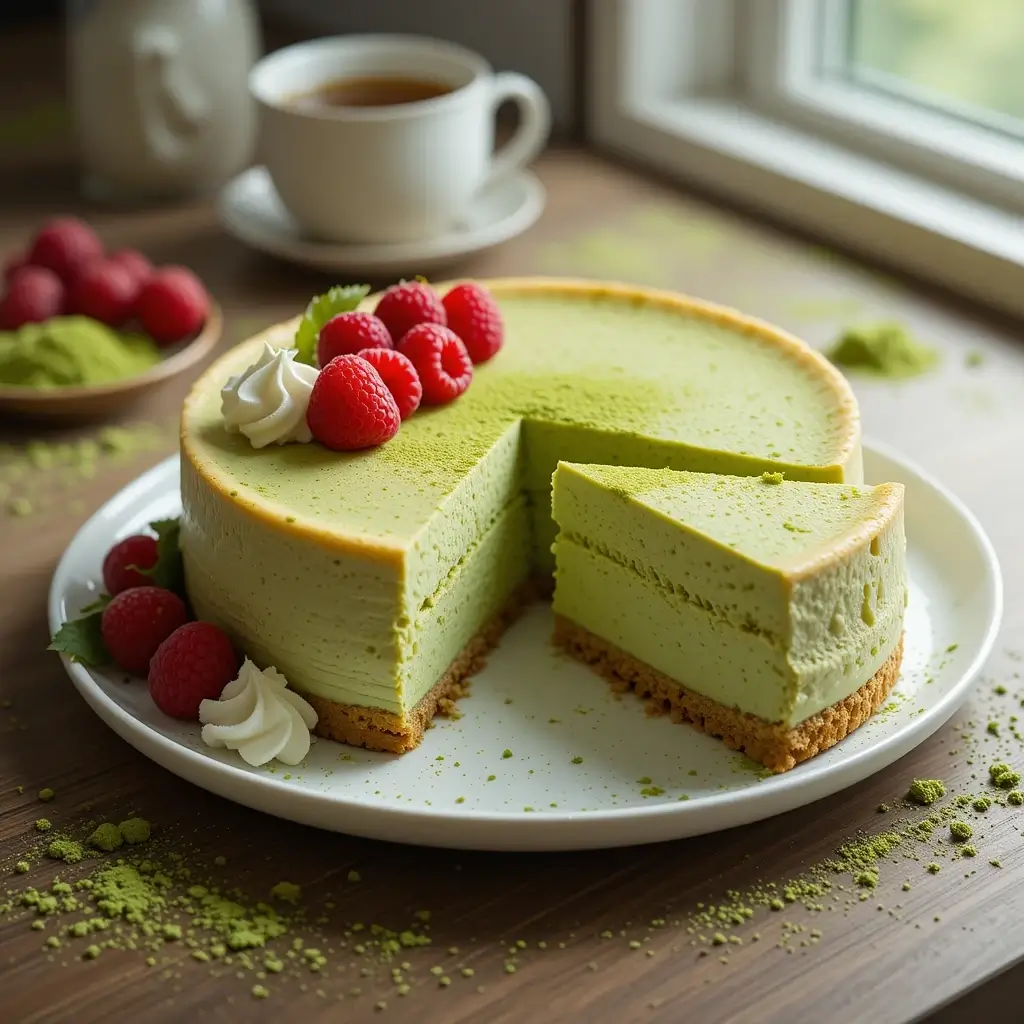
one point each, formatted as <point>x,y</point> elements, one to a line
<point>69,351</point>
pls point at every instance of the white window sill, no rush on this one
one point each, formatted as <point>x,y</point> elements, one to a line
<point>909,223</point>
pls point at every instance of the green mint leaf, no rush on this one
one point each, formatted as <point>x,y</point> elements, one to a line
<point>340,299</point>
<point>98,605</point>
<point>82,640</point>
<point>168,571</point>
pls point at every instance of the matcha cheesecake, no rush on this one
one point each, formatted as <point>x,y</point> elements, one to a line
<point>765,611</point>
<point>376,580</point>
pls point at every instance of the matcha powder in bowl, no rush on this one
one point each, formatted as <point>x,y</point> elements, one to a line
<point>70,351</point>
<point>76,367</point>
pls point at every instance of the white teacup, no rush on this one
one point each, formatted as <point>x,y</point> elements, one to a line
<point>389,173</point>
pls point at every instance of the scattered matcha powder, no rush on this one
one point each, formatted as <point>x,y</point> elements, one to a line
<point>135,830</point>
<point>926,791</point>
<point>43,825</point>
<point>287,891</point>
<point>1003,776</point>
<point>67,850</point>
<point>106,837</point>
<point>885,350</point>
<point>960,831</point>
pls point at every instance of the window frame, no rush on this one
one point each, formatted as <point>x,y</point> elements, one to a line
<point>727,94</point>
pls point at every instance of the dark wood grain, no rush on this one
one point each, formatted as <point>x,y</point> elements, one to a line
<point>925,948</point>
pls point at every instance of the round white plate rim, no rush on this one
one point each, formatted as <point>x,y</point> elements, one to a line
<point>496,830</point>
<point>369,257</point>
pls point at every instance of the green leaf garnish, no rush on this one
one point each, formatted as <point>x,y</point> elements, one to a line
<point>168,571</point>
<point>98,605</point>
<point>82,640</point>
<point>340,299</point>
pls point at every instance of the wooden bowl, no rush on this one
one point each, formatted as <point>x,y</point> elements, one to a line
<point>91,401</point>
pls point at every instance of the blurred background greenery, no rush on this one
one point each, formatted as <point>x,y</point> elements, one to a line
<point>965,51</point>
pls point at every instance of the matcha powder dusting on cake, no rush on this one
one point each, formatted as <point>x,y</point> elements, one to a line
<point>885,350</point>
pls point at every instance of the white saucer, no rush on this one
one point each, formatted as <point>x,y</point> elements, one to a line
<point>458,790</point>
<point>250,209</point>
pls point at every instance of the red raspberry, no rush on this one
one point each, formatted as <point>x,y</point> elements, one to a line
<point>125,559</point>
<point>349,333</point>
<point>34,294</point>
<point>399,376</point>
<point>474,316</point>
<point>193,664</point>
<point>105,291</point>
<point>14,264</point>
<point>440,359</point>
<point>172,305</point>
<point>137,622</point>
<point>405,305</point>
<point>135,263</point>
<point>350,406</point>
<point>65,245</point>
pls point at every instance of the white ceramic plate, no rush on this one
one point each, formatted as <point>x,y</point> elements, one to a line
<point>458,790</point>
<point>251,210</point>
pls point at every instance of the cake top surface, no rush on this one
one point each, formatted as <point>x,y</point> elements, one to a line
<point>775,522</point>
<point>580,359</point>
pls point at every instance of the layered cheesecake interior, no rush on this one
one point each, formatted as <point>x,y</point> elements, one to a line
<point>372,579</point>
<point>752,606</point>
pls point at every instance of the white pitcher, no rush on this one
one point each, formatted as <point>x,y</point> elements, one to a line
<point>158,93</point>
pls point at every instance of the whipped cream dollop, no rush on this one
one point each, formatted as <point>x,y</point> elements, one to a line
<point>267,402</point>
<point>257,715</point>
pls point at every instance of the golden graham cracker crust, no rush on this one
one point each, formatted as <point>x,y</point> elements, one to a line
<point>377,729</point>
<point>774,745</point>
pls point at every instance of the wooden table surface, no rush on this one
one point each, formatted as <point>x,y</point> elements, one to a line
<point>896,955</point>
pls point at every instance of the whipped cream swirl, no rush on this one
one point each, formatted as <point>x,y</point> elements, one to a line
<point>268,401</point>
<point>258,716</point>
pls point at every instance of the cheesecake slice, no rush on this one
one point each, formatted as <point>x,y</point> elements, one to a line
<point>766,612</point>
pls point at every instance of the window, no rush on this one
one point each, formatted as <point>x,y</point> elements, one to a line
<point>961,58</point>
<point>895,127</point>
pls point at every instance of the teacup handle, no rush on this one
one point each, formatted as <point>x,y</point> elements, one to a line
<point>535,123</point>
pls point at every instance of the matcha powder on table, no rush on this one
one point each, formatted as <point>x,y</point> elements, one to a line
<point>926,791</point>
<point>884,350</point>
